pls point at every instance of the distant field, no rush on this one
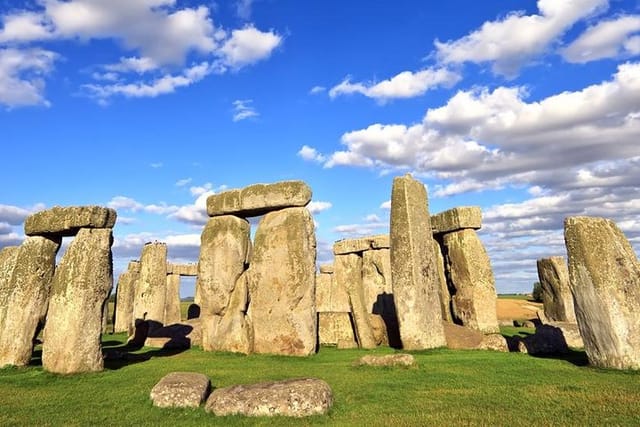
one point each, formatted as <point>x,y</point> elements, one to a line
<point>514,296</point>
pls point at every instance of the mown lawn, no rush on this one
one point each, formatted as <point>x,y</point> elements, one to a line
<point>447,388</point>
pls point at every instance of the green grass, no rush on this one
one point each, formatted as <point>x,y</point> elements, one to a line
<point>447,388</point>
<point>526,297</point>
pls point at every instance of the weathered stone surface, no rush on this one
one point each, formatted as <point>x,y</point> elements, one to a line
<point>379,329</point>
<point>151,287</point>
<point>324,284</point>
<point>469,268</point>
<point>348,274</point>
<point>405,360</point>
<point>181,390</point>
<point>29,299</point>
<point>259,199</point>
<point>570,332</point>
<point>378,292</point>
<point>350,246</point>
<point>456,219</point>
<point>125,296</point>
<point>415,277</point>
<point>463,338</point>
<point>445,296</point>
<point>326,269</point>
<point>346,344</point>
<point>172,300</point>
<point>67,221</point>
<point>134,267</point>
<point>8,258</point>
<point>604,275</point>
<point>223,252</point>
<point>290,398</point>
<point>334,328</point>
<point>233,331</point>
<point>553,274</point>
<point>281,280</point>
<point>182,269</point>
<point>81,285</point>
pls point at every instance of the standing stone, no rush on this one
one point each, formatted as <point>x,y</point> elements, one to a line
<point>414,274</point>
<point>223,252</point>
<point>281,281</point>
<point>376,275</point>
<point>445,297</point>
<point>125,294</point>
<point>334,328</point>
<point>79,292</point>
<point>8,258</point>
<point>27,306</point>
<point>172,300</point>
<point>151,288</point>
<point>348,273</point>
<point>323,292</point>
<point>469,268</point>
<point>556,292</point>
<point>604,275</point>
<point>233,330</point>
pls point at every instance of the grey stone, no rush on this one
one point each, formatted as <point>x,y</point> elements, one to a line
<point>8,258</point>
<point>151,288</point>
<point>172,300</point>
<point>546,340</point>
<point>291,398</point>
<point>281,280</point>
<point>456,219</point>
<point>259,199</point>
<point>415,277</point>
<point>27,305</point>
<point>79,292</point>
<point>67,221</point>
<point>324,284</point>
<point>464,338</point>
<point>233,330</point>
<point>349,246</point>
<point>334,328</point>
<point>604,275</point>
<point>553,274</point>
<point>181,390</point>
<point>190,270</point>
<point>125,295</point>
<point>445,296</point>
<point>404,360</point>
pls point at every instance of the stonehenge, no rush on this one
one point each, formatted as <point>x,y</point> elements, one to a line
<point>125,297</point>
<point>553,274</point>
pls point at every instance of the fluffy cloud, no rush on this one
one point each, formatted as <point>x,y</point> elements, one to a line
<point>317,207</point>
<point>131,205</point>
<point>310,153</point>
<point>21,76</point>
<point>247,46</point>
<point>606,39</point>
<point>243,109</point>
<point>512,42</point>
<point>406,84</point>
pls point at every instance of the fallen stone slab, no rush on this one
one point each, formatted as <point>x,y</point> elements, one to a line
<point>181,390</point>
<point>463,338</point>
<point>259,199</point>
<point>457,219</point>
<point>67,221</point>
<point>405,360</point>
<point>291,398</point>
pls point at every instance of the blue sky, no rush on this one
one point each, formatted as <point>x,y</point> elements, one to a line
<point>529,109</point>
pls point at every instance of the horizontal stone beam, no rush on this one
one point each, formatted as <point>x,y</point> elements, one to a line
<point>455,219</point>
<point>182,269</point>
<point>350,246</point>
<point>67,221</point>
<point>259,199</point>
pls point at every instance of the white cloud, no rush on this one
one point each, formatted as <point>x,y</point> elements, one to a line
<point>606,39</point>
<point>131,205</point>
<point>132,64</point>
<point>406,84</point>
<point>196,213</point>
<point>243,109</point>
<point>317,89</point>
<point>372,218</point>
<point>247,46</point>
<point>13,215</point>
<point>21,76</point>
<point>24,27</point>
<point>360,230</point>
<point>156,165</point>
<point>183,182</point>
<point>311,154</point>
<point>317,206</point>
<point>386,205</point>
<point>512,42</point>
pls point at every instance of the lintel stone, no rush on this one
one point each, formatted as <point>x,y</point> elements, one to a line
<point>350,246</point>
<point>67,221</point>
<point>457,219</point>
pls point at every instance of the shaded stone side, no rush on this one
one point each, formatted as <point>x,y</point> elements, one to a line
<point>456,219</point>
<point>259,199</point>
<point>281,280</point>
<point>348,274</point>
<point>469,269</point>
<point>125,294</point>
<point>172,300</point>
<point>378,292</point>
<point>604,276</point>
<point>445,296</point>
<point>415,278</point>
<point>553,274</point>
<point>151,288</point>
<point>81,285</point>
<point>27,305</point>
<point>223,253</point>
<point>67,221</point>
<point>8,258</point>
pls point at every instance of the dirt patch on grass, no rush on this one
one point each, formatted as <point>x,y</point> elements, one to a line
<point>509,309</point>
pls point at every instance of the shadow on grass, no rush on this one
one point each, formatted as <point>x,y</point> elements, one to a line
<point>575,357</point>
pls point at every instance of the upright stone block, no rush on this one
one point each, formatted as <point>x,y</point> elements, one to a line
<point>8,258</point>
<point>324,285</point>
<point>604,276</point>
<point>172,300</point>
<point>233,330</point>
<point>79,292</point>
<point>151,289</point>
<point>281,280</point>
<point>445,296</point>
<point>259,199</point>
<point>223,254</point>
<point>125,294</point>
<point>456,219</point>
<point>415,277</point>
<point>67,221</point>
<point>334,328</point>
<point>27,304</point>
<point>553,274</point>
<point>469,267</point>
<point>348,273</point>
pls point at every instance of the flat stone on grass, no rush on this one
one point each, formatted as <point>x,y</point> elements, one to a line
<point>181,390</point>
<point>406,360</point>
<point>291,398</point>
